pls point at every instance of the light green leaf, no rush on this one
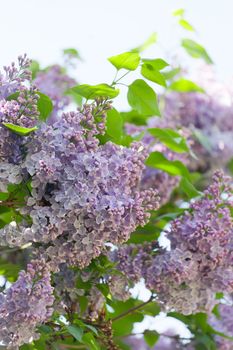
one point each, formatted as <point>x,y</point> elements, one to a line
<point>150,41</point>
<point>186,25</point>
<point>19,129</point>
<point>196,50</point>
<point>34,68</point>
<point>72,52</point>
<point>203,139</point>
<point>126,60</point>
<point>151,337</point>
<point>157,63</point>
<point>170,74</point>
<point>75,331</point>
<point>185,85</point>
<point>152,74</point>
<point>114,125</point>
<point>171,139</point>
<point>142,98</point>
<point>173,167</point>
<point>45,106</point>
<point>179,12</point>
<point>94,91</point>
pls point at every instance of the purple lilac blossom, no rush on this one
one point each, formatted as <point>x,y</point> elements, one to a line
<point>223,324</point>
<point>83,194</point>
<point>24,306</point>
<point>22,112</point>
<point>199,263</point>
<point>54,82</point>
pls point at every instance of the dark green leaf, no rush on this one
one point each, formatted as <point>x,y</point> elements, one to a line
<point>75,331</point>
<point>142,98</point>
<point>151,337</point>
<point>90,340</point>
<point>196,50</point>
<point>188,188</point>
<point>4,196</point>
<point>173,167</point>
<point>94,91</point>
<point>126,60</point>
<point>185,85</point>
<point>19,129</point>
<point>171,139</point>
<point>45,106</point>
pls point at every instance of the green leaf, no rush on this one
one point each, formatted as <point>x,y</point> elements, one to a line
<point>171,139</point>
<point>34,68</point>
<point>186,25</point>
<point>173,167</point>
<point>45,106</point>
<point>196,50</point>
<point>19,129</point>
<point>157,63</point>
<point>151,337</point>
<point>204,141</point>
<point>134,117</point>
<point>188,188</point>
<point>148,72</point>
<point>142,98</point>
<point>185,85</point>
<point>72,52</point>
<point>126,60</point>
<point>150,41</point>
<point>4,196</point>
<point>75,331</point>
<point>170,74</point>
<point>75,97</point>
<point>114,125</point>
<point>94,91</point>
<point>90,340</point>
<point>179,12</point>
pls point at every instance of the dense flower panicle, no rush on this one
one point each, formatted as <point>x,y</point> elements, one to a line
<point>223,324</point>
<point>54,82</point>
<point>22,112</point>
<point>24,306</point>
<point>83,194</point>
<point>13,77</point>
<point>199,263</point>
<point>203,113</point>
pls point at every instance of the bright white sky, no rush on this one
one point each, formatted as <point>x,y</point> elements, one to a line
<point>101,28</point>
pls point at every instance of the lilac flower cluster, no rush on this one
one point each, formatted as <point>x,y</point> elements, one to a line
<point>199,263</point>
<point>22,112</point>
<point>83,194</point>
<point>164,343</point>
<point>223,324</point>
<point>25,306</point>
<point>205,114</point>
<point>54,82</point>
